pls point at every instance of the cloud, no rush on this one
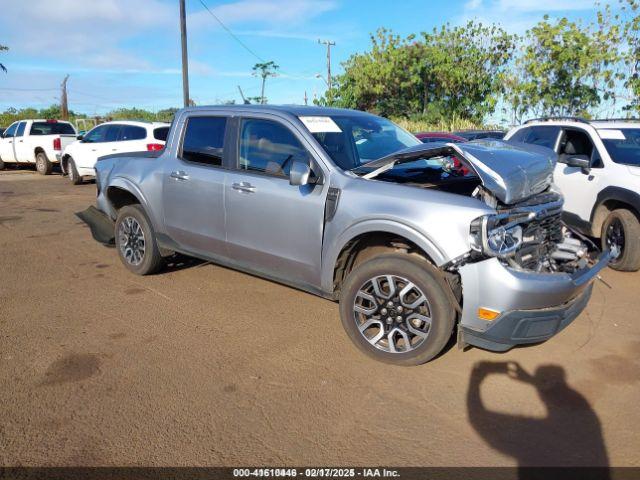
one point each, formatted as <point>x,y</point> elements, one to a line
<point>517,16</point>
<point>283,13</point>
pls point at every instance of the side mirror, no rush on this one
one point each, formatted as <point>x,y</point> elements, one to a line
<point>299,173</point>
<point>579,162</point>
<point>79,137</point>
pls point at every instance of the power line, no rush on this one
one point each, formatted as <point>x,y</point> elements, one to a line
<point>233,35</point>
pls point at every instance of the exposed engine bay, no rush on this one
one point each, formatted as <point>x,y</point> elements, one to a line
<point>526,232</point>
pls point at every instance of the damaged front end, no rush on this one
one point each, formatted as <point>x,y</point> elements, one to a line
<point>526,275</point>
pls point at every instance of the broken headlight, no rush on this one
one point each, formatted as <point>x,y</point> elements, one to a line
<point>498,235</point>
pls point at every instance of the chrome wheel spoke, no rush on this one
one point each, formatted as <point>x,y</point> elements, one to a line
<point>391,286</point>
<point>369,298</point>
<point>391,338</point>
<point>417,301</point>
<point>131,240</point>
<point>424,321</point>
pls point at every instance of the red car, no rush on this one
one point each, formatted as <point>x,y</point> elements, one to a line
<point>429,137</point>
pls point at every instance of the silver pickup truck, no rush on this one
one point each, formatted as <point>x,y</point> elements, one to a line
<point>418,242</point>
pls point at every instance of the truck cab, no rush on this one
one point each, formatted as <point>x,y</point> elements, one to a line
<point>36,142</point>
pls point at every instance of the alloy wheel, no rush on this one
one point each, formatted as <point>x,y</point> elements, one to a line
<point>392,314</point>
<point>615,237</point>
<point>131,241</point>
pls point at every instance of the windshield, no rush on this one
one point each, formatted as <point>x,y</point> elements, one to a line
<point>352,140</point>
<point>623,145</point>
<point>52,128</point>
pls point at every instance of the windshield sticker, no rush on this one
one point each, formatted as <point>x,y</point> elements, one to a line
<point>611,135</point>
<point>320,124</point>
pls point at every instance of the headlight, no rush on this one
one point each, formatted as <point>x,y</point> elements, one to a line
<point>498,235</point>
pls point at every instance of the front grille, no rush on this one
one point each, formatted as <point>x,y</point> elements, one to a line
<point>539,238</point>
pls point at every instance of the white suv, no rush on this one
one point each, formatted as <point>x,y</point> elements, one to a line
<point>598,171</point>
<point>79,158</point>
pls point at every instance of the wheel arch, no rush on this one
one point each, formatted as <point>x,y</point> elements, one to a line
<point>609,199</point>
<point>120,192</point>
<point>364,240</point>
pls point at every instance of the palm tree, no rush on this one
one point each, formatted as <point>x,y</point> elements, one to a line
<point>264,70</point>
<point>2,67</point>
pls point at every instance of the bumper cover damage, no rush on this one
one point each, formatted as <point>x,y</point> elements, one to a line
<point>533,306</point>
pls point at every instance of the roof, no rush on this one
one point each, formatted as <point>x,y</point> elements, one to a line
<point>612,123</point>
<point>140,123</point>
<point>296,110</point>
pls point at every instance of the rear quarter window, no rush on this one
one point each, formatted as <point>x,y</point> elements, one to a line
<point>161,133</point>
<point>204,140</point>
<point>131,132</point>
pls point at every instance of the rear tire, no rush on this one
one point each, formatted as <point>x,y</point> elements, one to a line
<point>622,228</point>
<point>136,242</point>
<point>43,165</point>
<point>1,164</point>
<point>399,332</point>
<point>72,171</point>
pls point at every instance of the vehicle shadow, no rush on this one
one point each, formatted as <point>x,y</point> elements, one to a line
<point>569,436</point>
<point>177,262</point>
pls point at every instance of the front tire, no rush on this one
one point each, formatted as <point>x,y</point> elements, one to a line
<point>72,171</point>
<point>621,230</point>
<point>135,241</point>
<point>395,308</point>
<point>43,165</point>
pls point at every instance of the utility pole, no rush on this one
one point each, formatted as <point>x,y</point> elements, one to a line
<point>329,44</point>
<point>64,105</point>
<point>185,60</point>
<point>305,98</point>
<point>244,100</point>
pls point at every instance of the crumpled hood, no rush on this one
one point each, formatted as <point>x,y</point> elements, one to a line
<point>511,172</point>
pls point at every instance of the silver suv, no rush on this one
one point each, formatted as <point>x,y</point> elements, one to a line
<point>416,241</point>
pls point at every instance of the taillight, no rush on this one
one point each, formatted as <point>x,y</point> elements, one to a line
<point>57,144</point>
<point>154,146</point>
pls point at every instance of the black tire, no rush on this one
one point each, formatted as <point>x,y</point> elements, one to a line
<point>1,164</point>
<point>151,261</point>
<point>72,171</point>
<point>43,165</point>
<point>626,222</point>
<point>430,283</point>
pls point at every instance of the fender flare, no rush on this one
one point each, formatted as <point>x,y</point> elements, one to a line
<point>130,187</point>
<point>332,253</point>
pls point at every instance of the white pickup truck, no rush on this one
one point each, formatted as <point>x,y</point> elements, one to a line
<point>38,142</point>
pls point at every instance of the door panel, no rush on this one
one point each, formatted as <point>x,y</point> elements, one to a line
<point>6,144</point>
<point>193,188</point>
<point>22,150</point>
<point>275,227</point>
<point>578,188</point>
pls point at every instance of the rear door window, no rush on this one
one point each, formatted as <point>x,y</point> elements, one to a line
<point>132,132</point>
<point>112,133</point>
<point>545,136</point>
<point>204,140</point>
<point>20,130</point>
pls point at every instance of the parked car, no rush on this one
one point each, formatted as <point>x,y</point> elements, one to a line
<point>349,206</point>
<point>79,158</point>
<point>36,142</point>
<point>598,171</point>
<point>430,137</point>
<point>479,134</point>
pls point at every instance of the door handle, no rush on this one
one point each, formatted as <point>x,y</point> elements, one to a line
<point>243,187</point>
<point>180,175</point>
<point>20,141</point>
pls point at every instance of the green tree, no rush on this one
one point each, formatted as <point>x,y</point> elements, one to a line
<point>450,72</point>
<point>3,49</point>
<point>630,28</point>
<point>264,70</point>
<point>564,68</point>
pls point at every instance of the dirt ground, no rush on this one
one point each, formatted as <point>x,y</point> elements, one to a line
<point>201,365</point>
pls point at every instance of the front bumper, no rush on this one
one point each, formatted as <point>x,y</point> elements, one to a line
<point>534,306</point>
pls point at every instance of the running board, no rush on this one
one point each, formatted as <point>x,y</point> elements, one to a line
<point>102,227</point>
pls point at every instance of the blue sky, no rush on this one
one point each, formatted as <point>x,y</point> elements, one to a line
<point>127,52</point>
